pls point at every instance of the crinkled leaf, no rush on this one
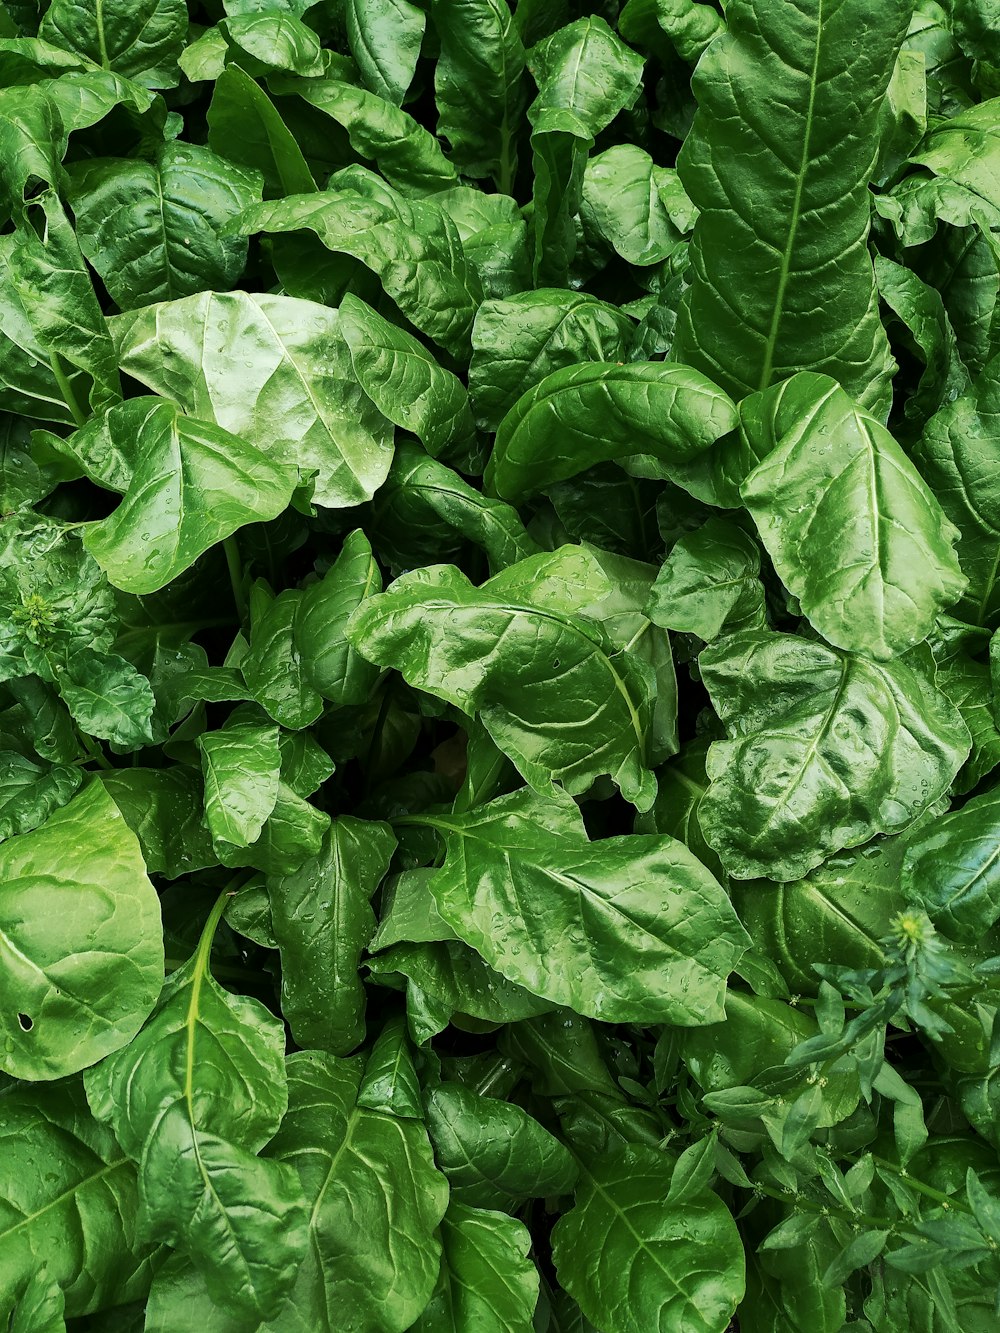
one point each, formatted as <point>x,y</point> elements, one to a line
<point>141,39</point>
<point>152,229</point>
<point>827,749</point>
<point>520,870</point>
<point>241,766</point>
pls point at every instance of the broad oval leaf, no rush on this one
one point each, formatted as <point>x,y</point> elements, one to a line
<point>634,206</point>
<point>492,1151</point>
<point>627,929</point>
<point>193,1098</point>
<point>710,580</point>
<point>187,485</point>
<point>827,749</point>
<point>385,38</point>
<point>854,532</point>
<point>80,940</point>
<point>152,229</point>
<point>68,1203</point>
<point>357,1163</point>
<point>560,700</point>
<point>518,341</point>
<point>412,245</point>
<point>781,275</point>
<point>952,868</point>
<point>241,766</point>
<point>403,379</point>
<point>331,663</point>
<point>293,396</point>
<point>488,1281</point>
<point>141,39</point>
<point>635,1262</point>
<point>599,412</point>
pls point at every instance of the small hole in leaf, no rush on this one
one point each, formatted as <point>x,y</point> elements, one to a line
<point>26,1023</point>
<point>556,662</point>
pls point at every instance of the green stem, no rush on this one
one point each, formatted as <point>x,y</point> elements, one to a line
<point>235,565</point>
<point>66,389</point>
<point>94,751</point>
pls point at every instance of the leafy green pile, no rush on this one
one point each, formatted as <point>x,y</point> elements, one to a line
<point>391,935</point>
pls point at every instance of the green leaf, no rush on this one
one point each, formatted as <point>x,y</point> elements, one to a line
<point>560,700</point>
<point>407,155</point>
<point>518,342</point>
<point>390,1083</point>
<point>68,1205</point>
<point>805,86</point>
<point>520,870</point>
<point>410,244</point>
<point>354,1162</point>
<point>164,807</point>
<point>710,581</point>
<point>827,749</point>
<point>638,209</point>
<point>140,39</point>
<point>585,77</point>
<point>690,25</point>
<point>244,127</point>
<point>403,379</point>
<point>194,1098</point>
<point>241,766</point>
<point>322,922</point>
<point>41,1307</point>
<point>493,1153</point>
<point>187,485</point>
<point>595,413</point>
<point>30,792</point>
<point>921,309</point>
<point>487,1281</point>
<point>385,38</point>
<point>635,1262</point>
<point>295,398</point>
<point>958,181</point>
<point>423,492</point>
<point>108,698</point>
<point>152,229</point>
<point>292,833</point>
<point>479,87</point>
<point>264,42</point>
<point>331,664</point>
<point>80,940</point>
<point>57,295</point>
<point>273,667</point>
<point>853,531</point>
<point>952,869</point>
<point>956,456</point>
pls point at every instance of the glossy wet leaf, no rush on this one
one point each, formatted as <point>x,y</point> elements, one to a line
<point>411,245</point>
<point>294,398</point>
<point>806,91</point>
<point>330,662</point>
<point>597,413</point>
<point>385,38</point>
<point>240,765</point>
<point>403,379</point>
<point>152,229</point>
<point>352,1161</point>
<point>853,531</point>
<point>953,868</point>
<point>635,207</point>
<point>488,1280</point>
<point>164,808</point>
<point>710,581</point>
<point>634,1262</point>
<point>492,1151</point>
<point>193,1099</point>
<point>245,127</point>
<point>517,342</point>
<point>187,484</point>
<point>139,40</point>
<point>29,792</point>
<point>322,922</point>
<point>69,1203</point>
<point>520,870</point>
<point>826,749</point>
<point>273,666</point>
<point>80,937</point>
<point>604,712</point>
